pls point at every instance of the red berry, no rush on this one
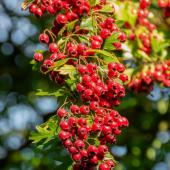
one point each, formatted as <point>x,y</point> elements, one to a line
<point>67,143</point>
<point>38,57</point>
<point>82,132</point>
<point>75,109</point>
<point>48,63</point>
<point>32,8</point>
<point>109,21</point>
<point>80,88</point>
<point>112,66</point>
<point>120,67</point>
<point>64,125</point>
<point>51,9</point>
<point>96,127</point>
<point>98,120</point>
<point>132,36</point>
<point>92,150</point>
<point>53,48</point>
<point>79,144</point>
<point>81,121</point>
<point>84,10</point>
<point>122,37</point>
<point>102,149</point>
<point>110,163</point>
<point>54,57</point>
<point>81,48</point>
<point>83,153</point>
<point>92,68</point>
<point>97,38</point>
<point>123,77</point>
<point>105,33</point>
<point>72,121</point>
<point>95,44</point>
<point>76,157</point>
<point>71,16</point>
<point>73,51</point>
<point>144,3</point>
<point>72,150</point>
<point>117,45</point>
<point>44,38</point>
<point>82,69</point>
<point>106,130</point>
<point>104,166</point>
<point>94,160</point>
<point>38,12</point>
<point>84,109</point>
<point>62,113</point>
<point>61,19</point>
<point>63,135</point>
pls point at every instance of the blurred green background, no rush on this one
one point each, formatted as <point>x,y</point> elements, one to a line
<point>145,145</point>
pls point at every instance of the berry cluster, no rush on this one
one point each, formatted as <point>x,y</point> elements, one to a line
<point>159,73</point>
<point>86,130</point>
<point>73,48</point>
<point>143,23</point>
<point>143,20</point>
<point>93,88</point>
<point>165,5</point>
<point>108,26</point>
<point>86,138</point>
<point>54,6</point>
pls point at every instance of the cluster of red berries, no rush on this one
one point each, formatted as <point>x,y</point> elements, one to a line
<point>142,20</point>
<point>54,6</point>
<point>79,129</point>
<point>72,49</point>
<point>108,27</point>
<point>143,82</point>
<point>165,5</point>
<point>92,87</point>
<point>87,129</point>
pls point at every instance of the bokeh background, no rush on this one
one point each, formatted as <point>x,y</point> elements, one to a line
<point>145,145</point>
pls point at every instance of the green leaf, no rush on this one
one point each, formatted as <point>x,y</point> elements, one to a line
<point>70,167</point>
<point>119,23</point>
<point>39,51</point>
<point>107,9</point>
<point>33,62</point>
<point>125,13</point>
<point>60,63</point>
<point>142,55</point>
<point>158,46</point>
<point>94,2</point>
<point>108,44</point>
<point>71,25</point>
<point>46,131</point>
<point>67,69</point>
<point>155,44</point>
<point>87,24</point>
<point>106,55</point>
<point>129,72</point>
<point>109,155</point>
<point>83,39</point>
<point>57,93</point>
<point>26,3</point>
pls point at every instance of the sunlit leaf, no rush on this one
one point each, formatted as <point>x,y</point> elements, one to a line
<point>66,69</point>
<point>107,55</point>
<point>60,63</point>
<point>107,9</point>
